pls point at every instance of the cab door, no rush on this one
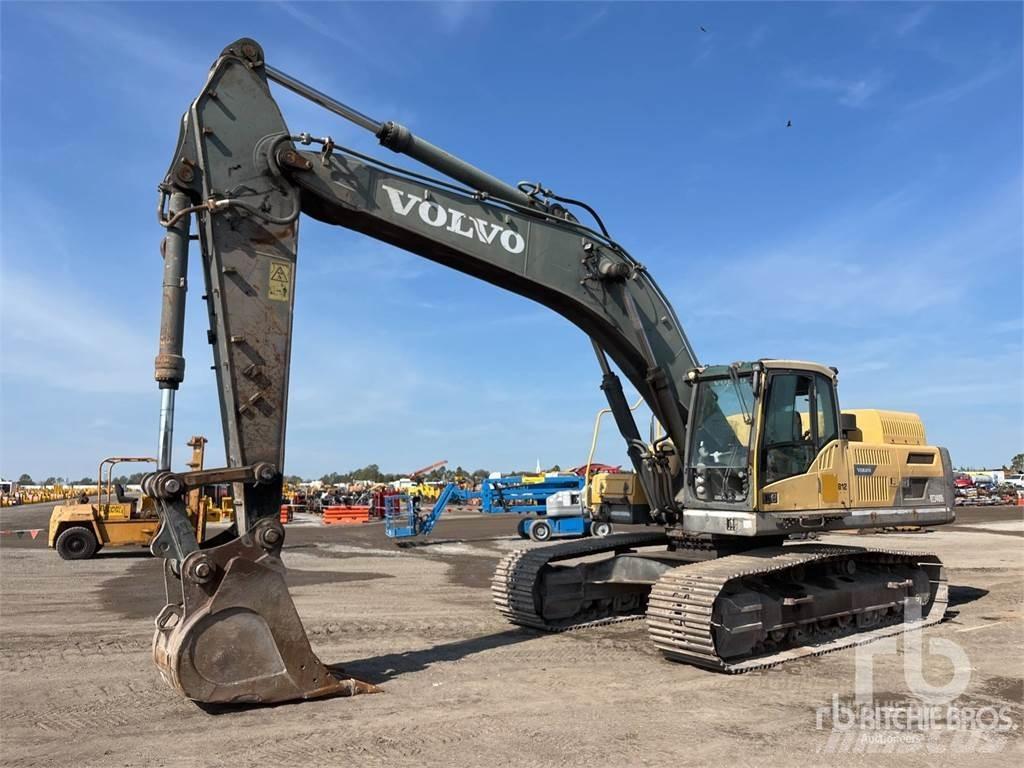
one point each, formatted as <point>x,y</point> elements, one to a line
<point>803,464</point>
<point>830,465</point>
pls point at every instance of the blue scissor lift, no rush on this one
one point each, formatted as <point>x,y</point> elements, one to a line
<point>498,495</point>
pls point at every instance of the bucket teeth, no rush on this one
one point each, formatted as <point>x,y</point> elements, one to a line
<point>235,637</point>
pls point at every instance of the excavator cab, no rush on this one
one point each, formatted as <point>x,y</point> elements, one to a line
<point>768,437</point>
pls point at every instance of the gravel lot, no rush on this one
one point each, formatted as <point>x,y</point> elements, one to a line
<point>78,687</point>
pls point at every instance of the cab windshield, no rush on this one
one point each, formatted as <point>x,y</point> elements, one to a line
<point>720,439</point>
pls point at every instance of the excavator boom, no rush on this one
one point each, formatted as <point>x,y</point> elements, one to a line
<point>764,453</point>
<point>246,178</point>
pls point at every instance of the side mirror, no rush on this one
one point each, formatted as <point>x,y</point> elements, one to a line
<point>847,423</point>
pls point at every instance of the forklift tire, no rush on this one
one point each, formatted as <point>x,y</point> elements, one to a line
<point>600,529</point>
<point>521,529</point>
<point>78,543</point>
<point>540,531</point>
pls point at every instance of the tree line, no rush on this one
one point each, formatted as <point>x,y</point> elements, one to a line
<point>27,480</point>
<point>1016,466</point>
<point>372,474</point>
<point>369,474</point>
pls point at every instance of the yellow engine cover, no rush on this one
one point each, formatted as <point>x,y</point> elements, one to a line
<point>889,427</point>
<point>850,474</point>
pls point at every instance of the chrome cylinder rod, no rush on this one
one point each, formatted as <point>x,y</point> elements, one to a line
<point>325,101</point>
<point>400,139</point>
<point>166,428</point>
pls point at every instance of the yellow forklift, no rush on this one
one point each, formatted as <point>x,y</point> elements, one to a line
<point>78,531</point>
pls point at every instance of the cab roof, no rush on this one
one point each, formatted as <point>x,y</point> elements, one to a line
<point>709,371</point>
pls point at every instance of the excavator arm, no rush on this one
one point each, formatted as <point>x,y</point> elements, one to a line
<point>230,632</point>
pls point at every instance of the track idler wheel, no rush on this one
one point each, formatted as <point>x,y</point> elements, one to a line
<point>235,637</point>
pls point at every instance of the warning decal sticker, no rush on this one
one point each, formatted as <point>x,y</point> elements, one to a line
<point>279,287</point>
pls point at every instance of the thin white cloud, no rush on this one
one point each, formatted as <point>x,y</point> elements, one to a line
<point>930,378</point>
<point>315,22</point>
<point>854,93</point>
<point>958,91</point>
<point>1016,325</point>
<point>358,258</point>
<point>454,15</point>
<point>840,266</point>
<point>130,62</point>
<point>758,36</point>
<point>857,93</point>
<point>588,21</point>
<point>908,22</point>
<point>109,29</point>
<point>705,47</point>
<point>343,23</point>
<point>965,408</point>
<point>65,337</point>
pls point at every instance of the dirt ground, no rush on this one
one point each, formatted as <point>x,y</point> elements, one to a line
<point>78,687</point>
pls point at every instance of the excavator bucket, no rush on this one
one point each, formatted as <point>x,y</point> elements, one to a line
<point>235,637</point>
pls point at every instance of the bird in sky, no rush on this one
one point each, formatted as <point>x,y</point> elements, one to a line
<point>789,123</point>
<point>703,30</point>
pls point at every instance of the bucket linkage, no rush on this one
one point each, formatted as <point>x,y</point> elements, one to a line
<point>230,633</point>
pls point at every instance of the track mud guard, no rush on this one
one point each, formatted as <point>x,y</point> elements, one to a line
<point>235,636</point>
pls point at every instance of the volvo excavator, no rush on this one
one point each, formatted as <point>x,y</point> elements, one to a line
<point>748,453</point>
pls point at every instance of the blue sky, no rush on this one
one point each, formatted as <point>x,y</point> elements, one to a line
<point>882,233</point>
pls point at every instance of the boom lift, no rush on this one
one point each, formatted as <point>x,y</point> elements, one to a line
<point>750,452</point>
<point>427,469</point>
<point>416,486</point>
<point>513,494</point>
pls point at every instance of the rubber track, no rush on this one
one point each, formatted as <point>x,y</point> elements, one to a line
<point>681,603</point>
<point>512,587</point>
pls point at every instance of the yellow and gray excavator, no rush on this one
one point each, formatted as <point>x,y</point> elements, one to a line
<point>749,454</point>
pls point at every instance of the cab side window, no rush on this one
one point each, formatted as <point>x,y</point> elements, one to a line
<point>789,445</point>
<point>825,408</point>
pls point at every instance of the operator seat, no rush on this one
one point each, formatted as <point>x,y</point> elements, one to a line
<point>124,498</point>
